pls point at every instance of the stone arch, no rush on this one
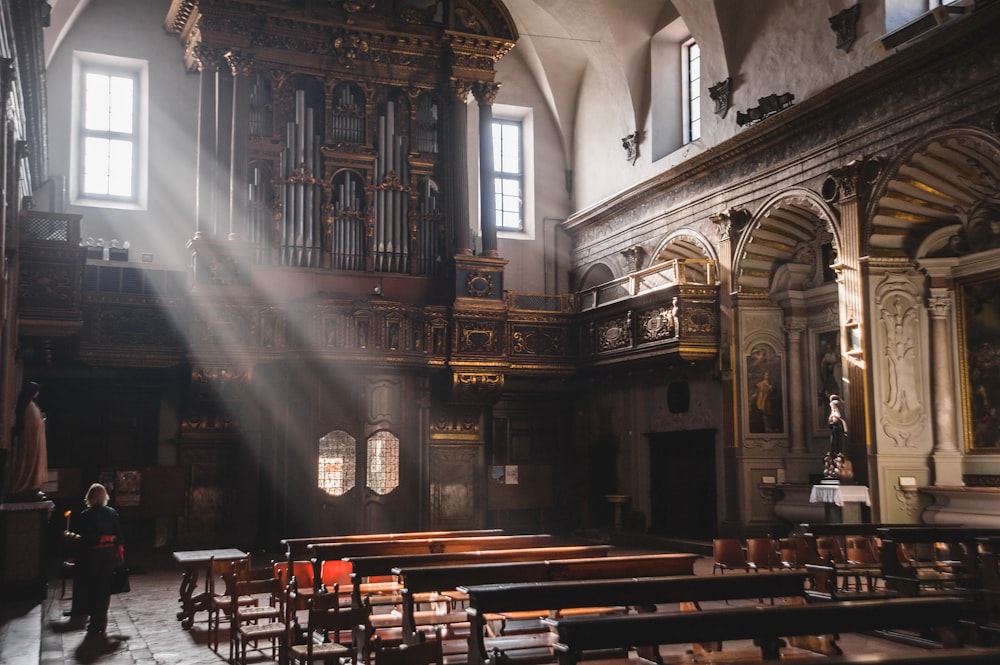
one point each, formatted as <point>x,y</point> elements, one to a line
<point>595,275</point>
<point>687,245</point>
<point>791,228</point>
<point>939,197</point>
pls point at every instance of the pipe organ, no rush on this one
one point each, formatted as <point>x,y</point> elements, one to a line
<point>347,163</point>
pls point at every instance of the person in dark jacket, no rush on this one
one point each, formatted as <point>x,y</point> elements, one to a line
<point>101,550</point>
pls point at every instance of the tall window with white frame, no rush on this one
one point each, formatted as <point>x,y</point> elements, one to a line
<point>108,134</point>
<point>508,171</point>
<point>692,90</point>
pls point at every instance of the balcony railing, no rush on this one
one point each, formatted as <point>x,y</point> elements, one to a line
<point>37,226</point>
<point>654,278</point>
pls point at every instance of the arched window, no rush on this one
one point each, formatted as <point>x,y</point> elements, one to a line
<point>336,463</point>
<point>383,462</point>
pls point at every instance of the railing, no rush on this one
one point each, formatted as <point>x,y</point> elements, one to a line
<point>654,278</point>
<point>37,226</point>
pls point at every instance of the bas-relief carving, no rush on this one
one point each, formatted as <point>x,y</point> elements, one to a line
<point>761,320</point>
<point>900,358</point>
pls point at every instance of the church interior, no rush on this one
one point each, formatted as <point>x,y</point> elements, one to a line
<point>296,267</point>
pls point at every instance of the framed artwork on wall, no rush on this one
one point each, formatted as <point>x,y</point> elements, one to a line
<point>979,323</point>
<point>829,373</point>
<point>766,413</point>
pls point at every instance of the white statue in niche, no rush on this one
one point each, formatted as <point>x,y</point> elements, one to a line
<point>899,323</point>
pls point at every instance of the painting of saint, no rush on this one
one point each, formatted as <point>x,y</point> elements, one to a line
<point>766,413</point>
<point>981,316</point>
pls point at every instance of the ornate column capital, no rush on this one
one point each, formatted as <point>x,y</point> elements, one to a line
<point>240,62</point>
<point>485,92</point>
<point>853,180</point>
<point>731,222</point>
<point>794,330</point>
<point>460,89</point>
<point>939,306</point>
<point>207,58</point>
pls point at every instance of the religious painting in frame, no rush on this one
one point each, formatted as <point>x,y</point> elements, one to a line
<point>979,324</point>
<point>829,373</point>
<point>766,414</point>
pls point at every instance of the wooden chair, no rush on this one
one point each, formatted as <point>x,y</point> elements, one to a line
<point>831,552</point>
<point>262,621</point>
<point>332,632</point>
<point>423,652</point>
<point>221,582</point>
<point>797,551</point>
<point>762,554</point>
<point>727,554</point>
<point>863,559</point>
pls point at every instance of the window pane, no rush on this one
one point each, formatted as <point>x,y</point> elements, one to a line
<point>336,463</point>
<point>120,169</point>
<point>121,104</point>
<point>383,462</point>
<point>96,102</point>
<point>95,165</point>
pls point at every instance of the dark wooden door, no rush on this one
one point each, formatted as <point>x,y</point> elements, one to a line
<point>682,485</point>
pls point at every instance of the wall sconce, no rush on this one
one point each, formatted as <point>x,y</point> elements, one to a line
<point>377,290</point>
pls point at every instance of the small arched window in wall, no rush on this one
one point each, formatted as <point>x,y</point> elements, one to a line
<point>383,462</point>
<point>336,463</point>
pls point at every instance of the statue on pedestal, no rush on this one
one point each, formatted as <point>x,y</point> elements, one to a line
<point>836,467</point>
<point>29,466</point>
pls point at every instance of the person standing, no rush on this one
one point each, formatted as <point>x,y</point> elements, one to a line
<point>101,548</point>
<point>29,456</point>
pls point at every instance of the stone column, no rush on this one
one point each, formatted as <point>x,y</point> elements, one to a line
<point>485,93</point>
<point>206,164</point>
<point>947,456</point>
<point>849,187</point>
<point>796,403</point>
<point>241,64</point>
<point>458,183</point>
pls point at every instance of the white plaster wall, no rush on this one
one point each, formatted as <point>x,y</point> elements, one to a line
<point>534,256</point>
<point>168,223</point>
<point>771,47</point>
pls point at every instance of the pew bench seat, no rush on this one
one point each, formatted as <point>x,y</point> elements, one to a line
<point>766,625</point>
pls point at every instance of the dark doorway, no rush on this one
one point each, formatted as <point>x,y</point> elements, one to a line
<point>682,483</point>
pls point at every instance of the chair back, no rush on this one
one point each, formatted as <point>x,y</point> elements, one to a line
<point>829,549</point>
<point>268,591</point>
<point>727,554</point>
<point>763,553</point>
<point>860,550</point>
<point>336,572</point>
<point>302,571</point>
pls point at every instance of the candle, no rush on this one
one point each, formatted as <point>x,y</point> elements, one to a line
<point>66,515</point>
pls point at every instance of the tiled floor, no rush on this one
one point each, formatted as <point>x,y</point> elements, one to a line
<point>143,628</point>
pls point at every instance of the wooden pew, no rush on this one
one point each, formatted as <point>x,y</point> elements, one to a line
<point>553,597</point>
<point>297,549</point>
<point>366,567</point>
<point>322,552</point>
<point>906,580</point>
<point>420,581</point>
<point>765,625</point>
